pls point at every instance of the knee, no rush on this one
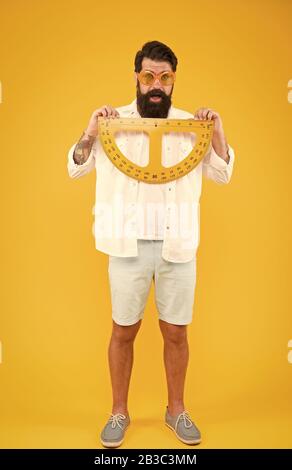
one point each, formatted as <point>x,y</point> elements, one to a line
<point>125,334</point>
<point>175,334</point>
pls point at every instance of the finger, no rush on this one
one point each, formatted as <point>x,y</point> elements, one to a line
<point>103,111</point>
<point>100,113</point>
<point>201,113</point>
<point>198,113</point>
<point>112,112</point>
<point>215,115</point>
<point>209,115</point>
<point>108,110</point>
<point>205,112</point>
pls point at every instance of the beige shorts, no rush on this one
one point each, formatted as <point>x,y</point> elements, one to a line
<point>130,281</point>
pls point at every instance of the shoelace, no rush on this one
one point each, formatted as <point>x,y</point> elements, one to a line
<point>115,419</point>
<point>186,417</point>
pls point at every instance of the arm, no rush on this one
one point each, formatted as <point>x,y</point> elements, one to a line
<point>218,162</point>
<point>216,168</point>
<point>83,148</point>
<point>81,156</point>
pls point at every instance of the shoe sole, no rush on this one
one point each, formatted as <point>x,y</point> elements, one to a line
<point>114,444</point>
<point>193,441</point>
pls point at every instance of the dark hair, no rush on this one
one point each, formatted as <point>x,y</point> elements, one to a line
<point>158,51</point>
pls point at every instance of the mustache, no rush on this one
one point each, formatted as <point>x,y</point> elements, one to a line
<point>156,93</point>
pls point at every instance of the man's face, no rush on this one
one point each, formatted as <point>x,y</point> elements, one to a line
<point>154,101</point>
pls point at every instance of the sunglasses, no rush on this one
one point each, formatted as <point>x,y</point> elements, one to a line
<point>148,78</point>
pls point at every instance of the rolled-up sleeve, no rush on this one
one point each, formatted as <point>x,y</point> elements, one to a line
<point>75,170</point>
<point>217,169</point>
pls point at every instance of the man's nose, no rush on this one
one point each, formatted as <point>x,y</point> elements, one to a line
<point>157,84</point>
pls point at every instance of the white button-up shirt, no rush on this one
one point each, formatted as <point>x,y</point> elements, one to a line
<point>121,202</point>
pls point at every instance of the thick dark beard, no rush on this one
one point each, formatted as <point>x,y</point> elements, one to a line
<point>148,109</point>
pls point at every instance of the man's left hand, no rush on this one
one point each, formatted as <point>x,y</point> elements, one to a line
<point>218,139</point>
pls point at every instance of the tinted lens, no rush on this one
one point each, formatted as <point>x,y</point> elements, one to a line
<point>147,78</point>
<point>167,78</point>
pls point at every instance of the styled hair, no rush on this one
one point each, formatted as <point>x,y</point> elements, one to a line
<point>158,51</point>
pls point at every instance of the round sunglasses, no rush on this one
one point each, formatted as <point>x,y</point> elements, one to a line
<point>146,77</point>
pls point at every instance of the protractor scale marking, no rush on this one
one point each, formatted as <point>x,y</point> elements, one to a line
<point>155,172</point>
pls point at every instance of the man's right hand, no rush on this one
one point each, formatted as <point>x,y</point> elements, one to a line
<point>105,111</point>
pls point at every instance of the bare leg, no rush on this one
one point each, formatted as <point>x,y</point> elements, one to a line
<point>120,355</point>
<point>176,356</point>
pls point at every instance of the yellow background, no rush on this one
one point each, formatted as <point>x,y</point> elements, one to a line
<point>60,60</point>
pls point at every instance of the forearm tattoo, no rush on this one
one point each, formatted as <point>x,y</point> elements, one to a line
<point>83,149</point>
